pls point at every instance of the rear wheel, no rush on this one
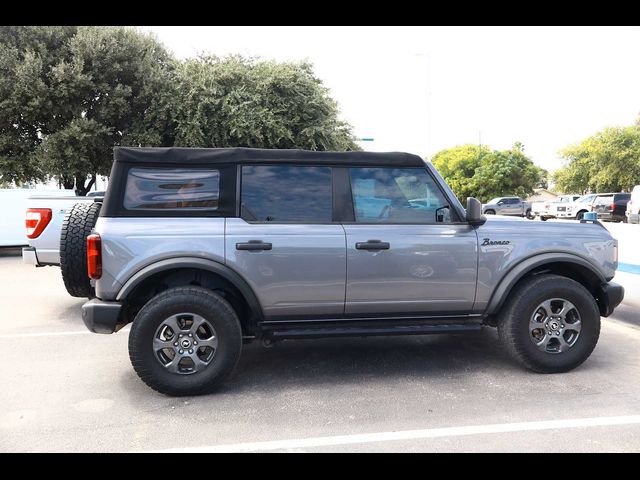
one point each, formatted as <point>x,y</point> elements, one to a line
<point>550,324</point>
<point>530,215</point>
<point>185,341</point>
<point>490,212</point>
<point>76,227</point>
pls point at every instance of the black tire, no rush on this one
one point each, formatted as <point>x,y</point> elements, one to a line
<point>194,300</point>
<point>513,323</point>
<point>490,212</point>
<point>580,215</point>
<point>529,215</point>
<point>544,219</point>
<point>76,227</point>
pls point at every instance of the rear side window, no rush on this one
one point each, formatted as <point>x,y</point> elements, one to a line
<point>170,189</point>
<point>283,193</point>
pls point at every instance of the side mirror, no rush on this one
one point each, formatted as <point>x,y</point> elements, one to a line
<point>474,212</point>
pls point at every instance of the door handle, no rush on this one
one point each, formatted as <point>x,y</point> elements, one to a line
<point>254,245</point>
<point>373,245</point>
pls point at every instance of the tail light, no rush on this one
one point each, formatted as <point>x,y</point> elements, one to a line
<point>613,207</point>
<point>94,256</point>
<point>36,221</point>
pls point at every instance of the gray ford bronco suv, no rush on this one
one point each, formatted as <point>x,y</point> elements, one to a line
<point>203,250</point>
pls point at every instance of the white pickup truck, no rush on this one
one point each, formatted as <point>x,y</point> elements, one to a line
<point>44,217</point>
<point>13,205</point>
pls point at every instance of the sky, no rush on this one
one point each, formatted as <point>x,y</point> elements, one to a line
<point>424,89</point>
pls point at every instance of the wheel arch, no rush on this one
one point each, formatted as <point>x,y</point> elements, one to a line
<point>183,271</point>
<point>563,264</point>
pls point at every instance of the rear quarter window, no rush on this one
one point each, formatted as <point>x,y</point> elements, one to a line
<point>172,189</point>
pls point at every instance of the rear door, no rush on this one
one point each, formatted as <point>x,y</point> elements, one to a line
<point>515,206</point>
<point>286,244</point>
<point>407,253</point>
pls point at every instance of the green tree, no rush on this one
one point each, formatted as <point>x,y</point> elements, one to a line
<point>27,110</point>
<point>72,94</point>
<point>484,173</point>
<point>458,166</point>
<point>235,101</point>
<point>69,94</point>
<point>606,161</point>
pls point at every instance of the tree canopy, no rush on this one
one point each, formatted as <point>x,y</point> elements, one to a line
<point>608,161</point>
<point>68,95</point>
<point>473,171</point>
<point>237,101</point>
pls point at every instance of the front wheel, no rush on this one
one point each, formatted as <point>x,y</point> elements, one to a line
<point>185,341</point>
<point>490,212</point>
<point>529,215</point>
<point>550,324</point>
<point>580,215</point>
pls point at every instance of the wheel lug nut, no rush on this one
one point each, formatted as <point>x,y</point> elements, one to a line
<point>181,351</point>
<point>557,333</point>
<point>195,343</point>
<point>181,335</point>
<point>190,335</point>
<point>191,351</point>
<point>175,344</point>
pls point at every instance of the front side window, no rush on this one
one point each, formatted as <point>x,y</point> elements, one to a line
<point>167,189</point>
<point>397,195</point>
<point>283,193</point>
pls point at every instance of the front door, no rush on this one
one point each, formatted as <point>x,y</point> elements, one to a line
<point>407,253</point>
<point>286,245</point>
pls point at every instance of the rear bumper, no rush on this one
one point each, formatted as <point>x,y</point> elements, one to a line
<point>40,257</point>
<point>102,317</point>
<point>29,256</point>
<point>611,296</point>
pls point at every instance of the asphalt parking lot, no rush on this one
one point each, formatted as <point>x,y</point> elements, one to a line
<point>65,389</point>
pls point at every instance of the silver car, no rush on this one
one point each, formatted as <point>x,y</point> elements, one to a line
<point>203,250</point>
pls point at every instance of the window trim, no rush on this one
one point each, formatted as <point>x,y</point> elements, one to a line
<point>113,205</point>
<point>453,210</point>
<point>285,222</point>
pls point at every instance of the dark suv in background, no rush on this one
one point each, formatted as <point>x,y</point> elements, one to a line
<point>613,207</point>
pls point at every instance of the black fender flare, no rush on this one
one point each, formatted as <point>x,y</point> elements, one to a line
<point>522,268</point>
<point>199,263</point>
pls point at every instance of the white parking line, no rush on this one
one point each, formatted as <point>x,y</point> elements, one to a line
<point>411,435</point>
<point>45,334</point>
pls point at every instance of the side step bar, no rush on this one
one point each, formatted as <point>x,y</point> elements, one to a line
<point>361,331</point>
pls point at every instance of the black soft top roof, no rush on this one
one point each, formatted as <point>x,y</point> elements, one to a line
<point>204,156</point>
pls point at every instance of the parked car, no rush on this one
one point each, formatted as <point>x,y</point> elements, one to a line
<point>612,208</point>
<point>13,205</point>
<point>558,208</point>
<point>44,218</point>
<point>512,206</point>
<point>202,250</point>
<point>576,208</point>
<point>541,210</point>
<point>633,206</point>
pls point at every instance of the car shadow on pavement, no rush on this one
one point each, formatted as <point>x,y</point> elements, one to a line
<point>627,313</point>
<point>305,363</point>
<point>10,251</point>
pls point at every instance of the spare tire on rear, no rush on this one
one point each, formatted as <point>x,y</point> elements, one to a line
<point>76,227</point>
